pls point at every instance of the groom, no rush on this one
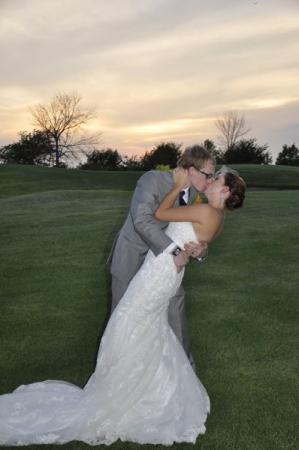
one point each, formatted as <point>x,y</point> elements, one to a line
<point>141,232</point>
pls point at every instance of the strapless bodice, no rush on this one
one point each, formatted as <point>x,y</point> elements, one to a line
<point>181,232</point>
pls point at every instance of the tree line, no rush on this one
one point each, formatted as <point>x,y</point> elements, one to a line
<point>59,135</point>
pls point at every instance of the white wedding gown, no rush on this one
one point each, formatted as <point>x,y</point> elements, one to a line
<point>143,388</point>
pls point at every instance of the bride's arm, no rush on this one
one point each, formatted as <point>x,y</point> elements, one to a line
<point>204,218</point>
<point>167,213</point>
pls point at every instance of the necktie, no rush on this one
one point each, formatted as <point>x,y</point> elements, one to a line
<point>181,199</point>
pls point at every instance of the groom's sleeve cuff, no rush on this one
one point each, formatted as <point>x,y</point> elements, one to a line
<point>170,248</point>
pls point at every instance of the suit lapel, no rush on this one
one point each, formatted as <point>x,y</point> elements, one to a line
<point>196,195</point>
<point>192,195</point>
<point>170,184</point>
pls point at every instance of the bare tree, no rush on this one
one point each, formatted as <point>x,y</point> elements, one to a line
<point>63,120</point>
<point>232,127</point>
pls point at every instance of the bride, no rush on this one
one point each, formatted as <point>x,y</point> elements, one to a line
<point>143,388</point>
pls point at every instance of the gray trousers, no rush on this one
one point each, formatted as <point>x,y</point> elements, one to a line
<point>176,313</point>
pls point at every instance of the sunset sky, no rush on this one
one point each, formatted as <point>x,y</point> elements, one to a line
<point>155,70</point>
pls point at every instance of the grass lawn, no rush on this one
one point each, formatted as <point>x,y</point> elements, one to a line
<point>240,304</point>
<point>18,179</point>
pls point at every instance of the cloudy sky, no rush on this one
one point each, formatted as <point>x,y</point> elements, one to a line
<point>154,69</point>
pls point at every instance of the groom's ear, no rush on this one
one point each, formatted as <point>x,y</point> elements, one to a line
<point>190,171</point>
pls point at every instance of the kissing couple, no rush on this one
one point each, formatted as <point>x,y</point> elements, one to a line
<point>144,388</point>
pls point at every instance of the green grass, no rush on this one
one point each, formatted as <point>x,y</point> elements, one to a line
<point>18,179</point>
<point>240,303</point>
<point>273,177</point>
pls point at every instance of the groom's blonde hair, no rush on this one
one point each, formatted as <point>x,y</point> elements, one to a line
<point>195,156</point>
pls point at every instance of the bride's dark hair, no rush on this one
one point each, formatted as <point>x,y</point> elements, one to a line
<point>237,187</point>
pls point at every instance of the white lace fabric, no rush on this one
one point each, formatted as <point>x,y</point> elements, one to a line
<point>143,388</point>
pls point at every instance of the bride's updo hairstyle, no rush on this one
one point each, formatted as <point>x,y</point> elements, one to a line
<point>237,187</point>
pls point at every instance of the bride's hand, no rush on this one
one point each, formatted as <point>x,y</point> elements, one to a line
<point>180,177</point>
<point>181,260</point>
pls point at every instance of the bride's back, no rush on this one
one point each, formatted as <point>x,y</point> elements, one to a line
<point>210,225</point>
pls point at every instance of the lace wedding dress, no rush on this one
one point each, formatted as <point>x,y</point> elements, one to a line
<point>143,388</point>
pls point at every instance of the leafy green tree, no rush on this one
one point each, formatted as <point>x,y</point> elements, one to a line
<point>248,152</point>
<point>131,163</point>
<point>289,156</point>
<point>166,153</point>
<point>163,168</point>
<point>210,146</point>
<point>106,159</point>
<point>33,148</point>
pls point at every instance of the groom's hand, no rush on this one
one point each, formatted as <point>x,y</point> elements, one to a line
<point>181,260</point>
<point>196,249</point>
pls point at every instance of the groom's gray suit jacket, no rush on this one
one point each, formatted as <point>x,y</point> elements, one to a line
<point>141,231</point>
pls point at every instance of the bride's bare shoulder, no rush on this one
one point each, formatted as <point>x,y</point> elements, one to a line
<point>210,224</point>
<point>208,213</point>
<point>206,209</point>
